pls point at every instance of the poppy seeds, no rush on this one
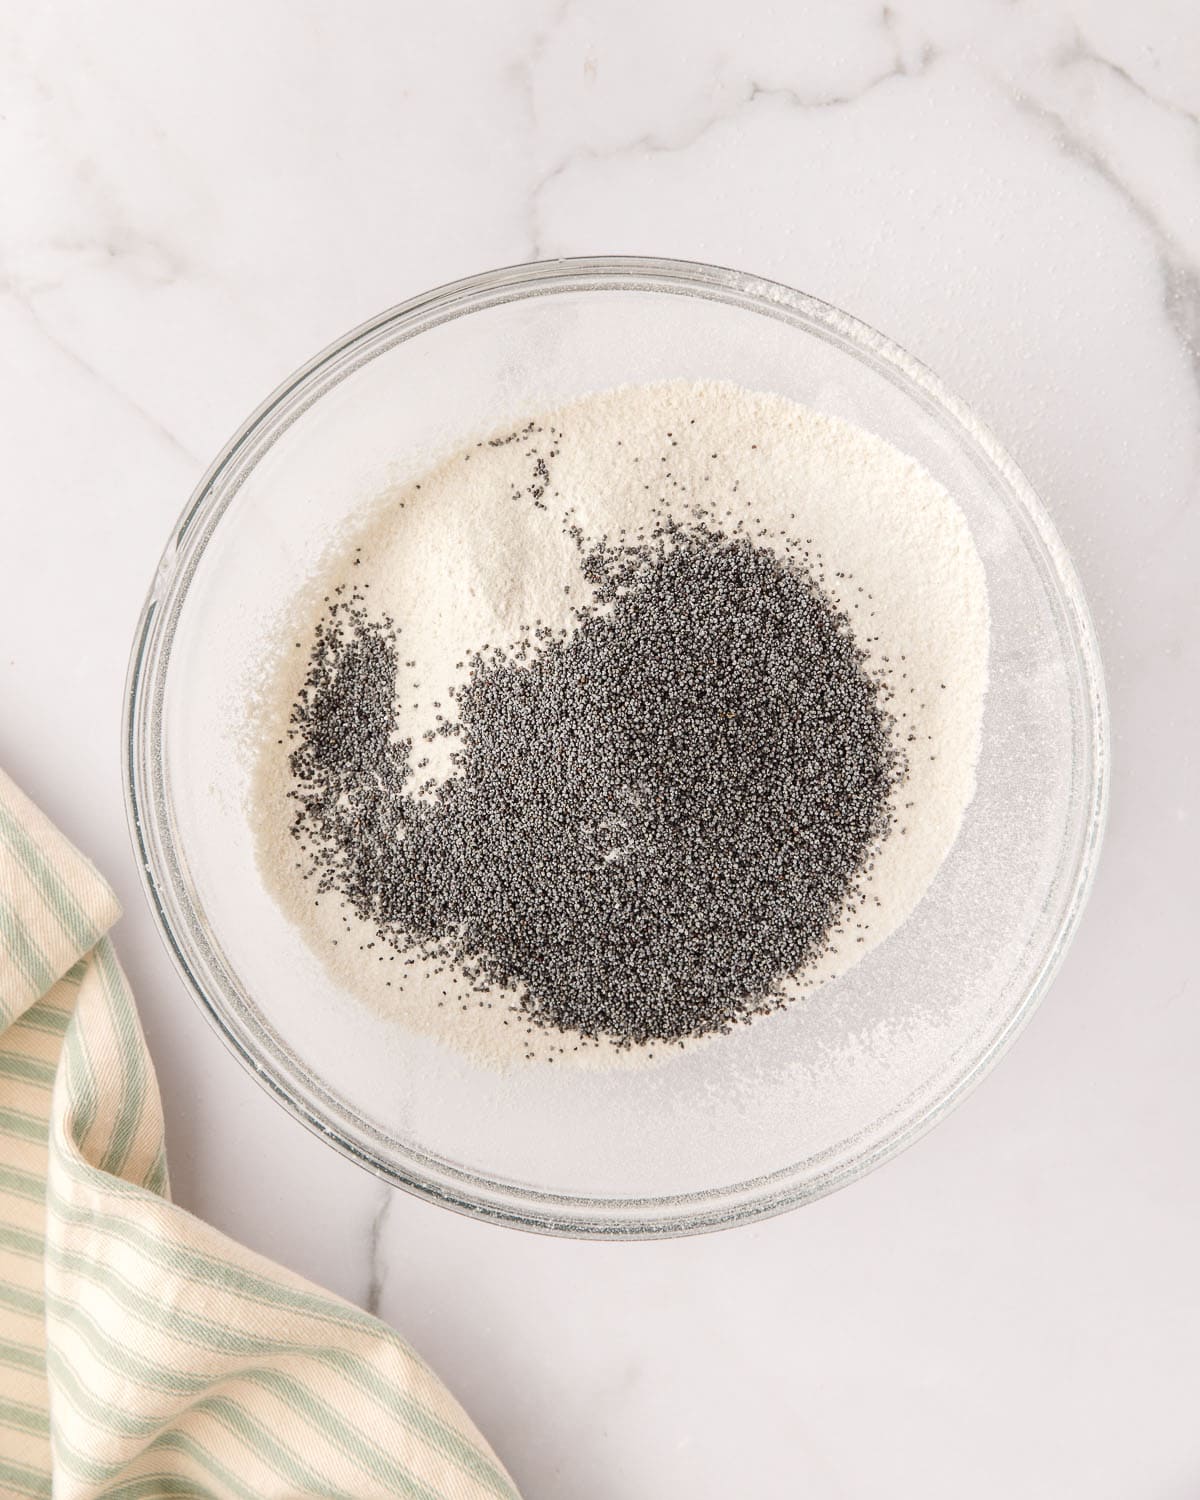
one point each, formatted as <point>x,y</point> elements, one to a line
<point>652,821</point>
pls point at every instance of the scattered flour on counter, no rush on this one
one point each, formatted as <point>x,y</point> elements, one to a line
<point>485,548</point>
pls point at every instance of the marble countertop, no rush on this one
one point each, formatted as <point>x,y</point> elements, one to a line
<point>198,197</point>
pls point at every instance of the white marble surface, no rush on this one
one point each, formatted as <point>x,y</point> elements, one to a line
<point>195,198</point>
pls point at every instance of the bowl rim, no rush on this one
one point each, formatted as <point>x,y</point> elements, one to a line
<point>143,771</point>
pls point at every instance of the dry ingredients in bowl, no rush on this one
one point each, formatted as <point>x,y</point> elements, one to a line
<point>626,724</point>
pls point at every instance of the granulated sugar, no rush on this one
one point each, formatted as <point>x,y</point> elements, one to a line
<point>625,725</point>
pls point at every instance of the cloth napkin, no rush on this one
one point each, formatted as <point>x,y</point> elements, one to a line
<point>142,1353</point>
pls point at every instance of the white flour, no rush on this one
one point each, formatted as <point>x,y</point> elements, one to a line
<point>459,563</point>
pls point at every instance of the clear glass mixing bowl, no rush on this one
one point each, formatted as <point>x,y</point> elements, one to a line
<point>783,1110</point>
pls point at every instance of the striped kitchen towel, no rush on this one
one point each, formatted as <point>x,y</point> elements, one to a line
<point>142,1354</point>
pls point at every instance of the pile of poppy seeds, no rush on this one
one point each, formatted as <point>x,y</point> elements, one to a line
<point>655,817</point>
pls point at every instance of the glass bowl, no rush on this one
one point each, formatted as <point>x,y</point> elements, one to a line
<point>779,1112</point>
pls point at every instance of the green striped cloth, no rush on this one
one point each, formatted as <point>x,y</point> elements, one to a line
<point>142,1354</point>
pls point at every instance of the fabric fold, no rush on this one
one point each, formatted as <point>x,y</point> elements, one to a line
<point>143,1353</point>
